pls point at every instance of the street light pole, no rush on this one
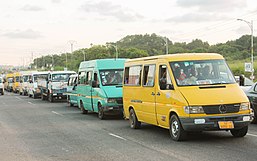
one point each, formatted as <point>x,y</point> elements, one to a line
<point>116,50</point>
<point>166,44</point>
<point>250,24</point>
<point>84,54</point>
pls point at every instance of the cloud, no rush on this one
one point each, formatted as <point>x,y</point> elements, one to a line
<point>26,34</point>
<point>107,9</point>
<point>197,17</point>
<point>56,1</point>
<point>32,8</point>
<point>213,5</point>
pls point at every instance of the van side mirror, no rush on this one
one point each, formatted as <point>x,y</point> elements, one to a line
<point>241,80</point>
<point>171,87</point>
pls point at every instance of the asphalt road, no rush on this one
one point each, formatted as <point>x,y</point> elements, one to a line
<point>32,129</point>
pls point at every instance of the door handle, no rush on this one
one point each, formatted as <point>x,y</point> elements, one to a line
<point>158,94</point>
<point>152,94</point>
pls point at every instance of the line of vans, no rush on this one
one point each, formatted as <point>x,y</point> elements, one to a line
<point>180,92</point>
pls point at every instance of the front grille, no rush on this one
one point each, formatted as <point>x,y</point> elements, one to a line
<point>119,101</point>
<point>221,109</point>
<point>225,119</point>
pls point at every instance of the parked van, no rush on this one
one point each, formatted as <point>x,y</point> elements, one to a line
<point>185,92</point>
<point>1,86</point>
<point>55,86</point>
<point>72,90</point>
<point>100,86</point>
<point>24,82</point>
<point>16,82</point>
<point>9,82</point>
<point>33,88</point>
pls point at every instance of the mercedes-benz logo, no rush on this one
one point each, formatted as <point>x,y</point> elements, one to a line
<point>223,109</point>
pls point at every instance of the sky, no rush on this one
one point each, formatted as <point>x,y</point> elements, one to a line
<point>44,27</point>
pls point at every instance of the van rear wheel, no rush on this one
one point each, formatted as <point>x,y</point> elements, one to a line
<point>239,132</point>
<point>83,110</point>
<point>134,123</point>
<point>177,132</point>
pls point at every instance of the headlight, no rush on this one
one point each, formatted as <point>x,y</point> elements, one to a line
<point>111,100</point>
<point>193,109</point>
<point>244,106</point>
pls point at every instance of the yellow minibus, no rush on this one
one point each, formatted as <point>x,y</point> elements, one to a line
<point>184,92</point>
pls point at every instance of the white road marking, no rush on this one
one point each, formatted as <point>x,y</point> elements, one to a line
<point>57,113</point>
<point>32,103</point>
<point>19,98</point>
<point>117,136</point>
<point>251,135</point>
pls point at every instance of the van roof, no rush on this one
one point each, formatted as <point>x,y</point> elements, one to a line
<point>62,72</point>
<point>181,57</point>
<point>102,64</point>
<point>73,75</point>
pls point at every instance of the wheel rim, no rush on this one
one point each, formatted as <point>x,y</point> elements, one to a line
<point>175,128</point>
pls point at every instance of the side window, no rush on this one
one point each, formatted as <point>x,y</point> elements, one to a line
<point>82,77</point>
<point>69,82</point>
<point>164,78</point>
<point>148,75</point>
<point>133,75</point>
<point>75,81</point>
<point>88,77</point>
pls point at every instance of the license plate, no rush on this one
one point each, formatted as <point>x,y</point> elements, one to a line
<point>226,124</point>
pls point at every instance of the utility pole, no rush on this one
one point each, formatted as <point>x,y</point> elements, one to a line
<point>250,24</point>
<point>71,42</point>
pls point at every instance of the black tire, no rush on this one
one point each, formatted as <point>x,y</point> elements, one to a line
<point>69,102</point>
<point>134,123</point>
<point>83,110</point>
<point>101,115</point>
<point>177,132</point>
<point>43,97</point>
<point>254,116</point>
<point>239,132</point>
<point>34,96</point>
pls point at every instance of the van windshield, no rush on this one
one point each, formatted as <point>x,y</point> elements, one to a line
<point>111,77</point>
<point>201,72</point>
<point>61,77</point>
<point>10,80</point>
<point>26,78</point>
<point>36,76</point>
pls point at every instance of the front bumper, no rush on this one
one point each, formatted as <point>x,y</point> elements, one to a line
<point>113,110</point>
<point>59,95</point>
<point>211,123</point>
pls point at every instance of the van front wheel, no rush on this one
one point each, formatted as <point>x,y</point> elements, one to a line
<point>177,132</point>
<point>100,112</point>
<point>134,123</point>
<point>239,132</point>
